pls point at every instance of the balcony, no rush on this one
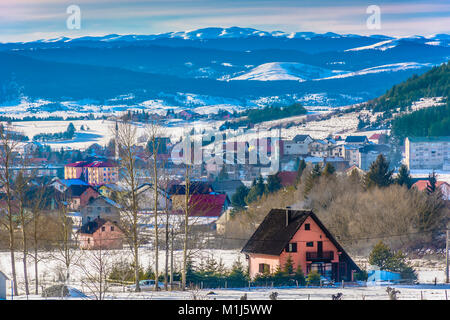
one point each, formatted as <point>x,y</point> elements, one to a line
<point>320,256</point>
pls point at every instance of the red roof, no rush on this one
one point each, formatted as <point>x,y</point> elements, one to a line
<point>287,178</point>
<point>38,160</point>
<point>421,185</point>
<point>207,205</point>
<point>77,164</point>
<point>100,164</point>
<point>375,136</point>
<point>83,164</point>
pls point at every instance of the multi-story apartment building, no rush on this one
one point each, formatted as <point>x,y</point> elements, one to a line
<point>95,173</point>
<point>427,152</point>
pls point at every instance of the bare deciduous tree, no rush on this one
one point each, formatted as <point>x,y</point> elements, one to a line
<point>127,139</point>
<point>8,155</point>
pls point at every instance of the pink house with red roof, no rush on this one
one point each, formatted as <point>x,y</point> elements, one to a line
<point>300,235</point>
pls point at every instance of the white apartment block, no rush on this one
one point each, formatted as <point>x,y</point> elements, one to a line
<point>427,152</point>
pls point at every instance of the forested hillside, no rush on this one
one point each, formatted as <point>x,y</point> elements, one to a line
<point>434,121</point>
<point>434,83</point>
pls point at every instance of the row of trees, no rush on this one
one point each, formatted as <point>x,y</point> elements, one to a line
<point>66,135</point>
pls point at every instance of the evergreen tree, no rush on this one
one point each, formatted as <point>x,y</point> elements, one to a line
<point>288,267</point>
<point>273,183</point>
<point>379,173</point>
<point>312,178</point>
<point>380,256</point>
<point>238,198</point>
<point>404,178</point>
<point>223,174</point>
<point>256,191</point>
<point>329,170</point>
<point>301,167</point>
<point>432,182</point>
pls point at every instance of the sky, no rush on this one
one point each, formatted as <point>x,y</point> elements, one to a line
<point>27,20</point>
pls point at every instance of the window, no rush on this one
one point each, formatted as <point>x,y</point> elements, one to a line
<point>310,244</point>
<point>291,247</point>
<point>264,268</point>
<point>112,228</point>
<point>307,226</point>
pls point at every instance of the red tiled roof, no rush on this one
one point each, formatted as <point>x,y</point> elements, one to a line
<point>375,136</point>
<point>100,164</point>
<point>83,164</point>
<point>207,205</point>
<point>287,178</point>
<point>421,185</point>
<point>38,160</point>
<point>77,164</point>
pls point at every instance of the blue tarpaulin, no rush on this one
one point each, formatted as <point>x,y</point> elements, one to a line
<point>383,275</point>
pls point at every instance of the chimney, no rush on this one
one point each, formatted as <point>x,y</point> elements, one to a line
<point>287,215</point>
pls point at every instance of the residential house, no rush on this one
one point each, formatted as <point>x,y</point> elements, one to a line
<point>228,187</point>
<point>206,209</point>
<point>320,148</point>
<point>297,146</point>
<point>302,236</point>
<point>287,178</point>
<point>369,153</point>
<point>208,205</point>
<point>111,190</point>
<point>177,191</point>
<point>31,147</point>
<point>427,153</point>
<point>146,199</point>
<point>79,195</point>
<point>351,154</point>
<point>354,167</point>
<point>339,163</point>
<point>378,138</point>
<point>356,140</point>
<point>62,184</point>
<point>102,208</point>
<point>422,185</point>
<point>101,234</point>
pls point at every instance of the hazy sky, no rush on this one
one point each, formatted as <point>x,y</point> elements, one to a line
<point>25,20</point>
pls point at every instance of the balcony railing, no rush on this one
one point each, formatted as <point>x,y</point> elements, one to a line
<point>319,256</point>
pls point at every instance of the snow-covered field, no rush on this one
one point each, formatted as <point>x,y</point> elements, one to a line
<point>418,292</point>
<point>428,270</point>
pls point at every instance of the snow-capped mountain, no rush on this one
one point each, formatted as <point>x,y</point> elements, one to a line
<point>286,71</point>
<point>240,66</point>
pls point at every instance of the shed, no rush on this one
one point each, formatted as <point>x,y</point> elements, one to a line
<point>3,279</point>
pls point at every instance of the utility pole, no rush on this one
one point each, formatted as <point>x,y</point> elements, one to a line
<point>446,255</point>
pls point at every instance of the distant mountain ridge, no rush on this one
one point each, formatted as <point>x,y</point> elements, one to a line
<point>232,32</point>
<point>240,67</point>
